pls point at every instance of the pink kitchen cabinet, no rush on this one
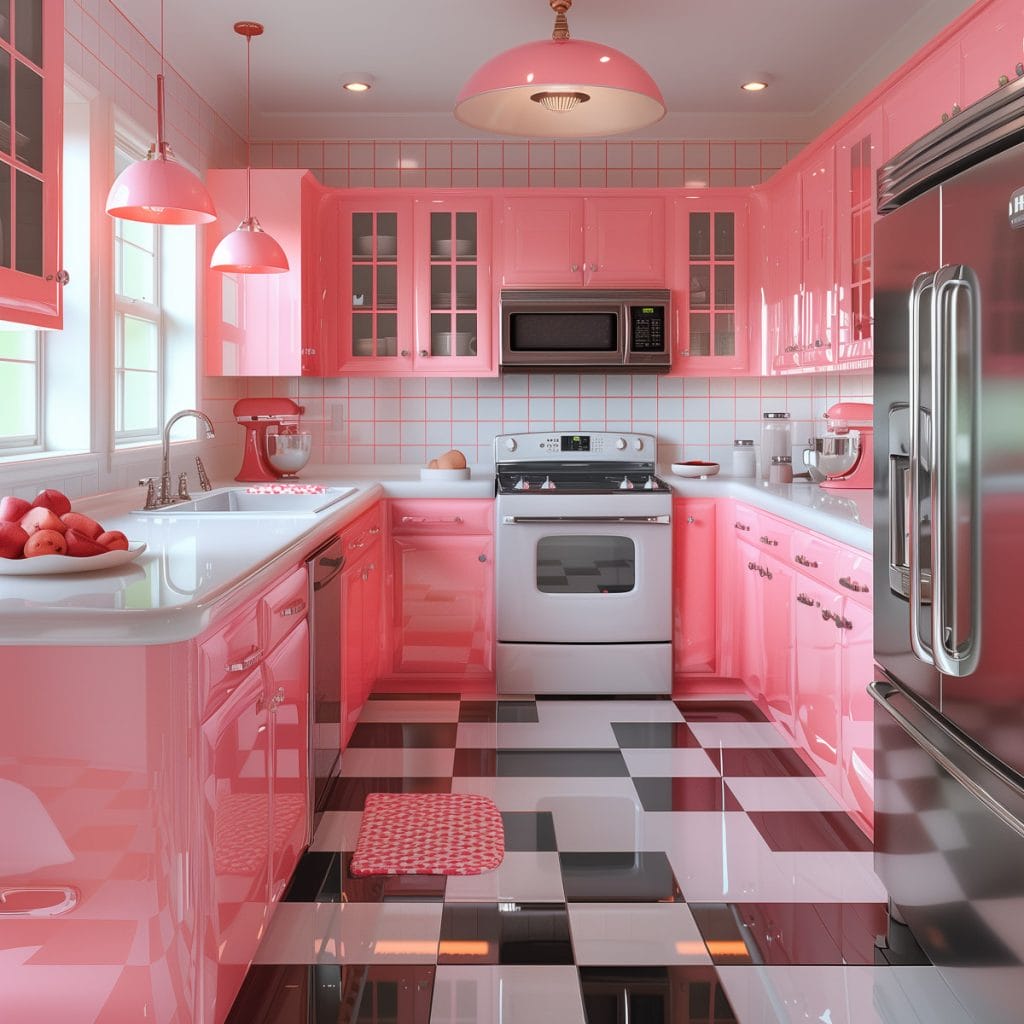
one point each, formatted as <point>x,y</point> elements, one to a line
<point>777,637</point>
<point>991,47</point>
<point>916,103</point>
<point>287,689</point>
<point>858,157</point>
<point>709,285</point>
<point>613,241</point>
<point>817,345</point>
<point>750,659</point>
<point>260,324</point>
<point>781,310</point>
<point>694,618</point>
<point>442,580</point>
<point>361,600</point>
<point>234,807</point>
<point>858,744</point>
<point>32,277</point>
<point>455,308</point>
<point>817,675</point>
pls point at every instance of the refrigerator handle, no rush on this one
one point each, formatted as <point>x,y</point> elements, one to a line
<point>922,283</point>
<point>952,394</point>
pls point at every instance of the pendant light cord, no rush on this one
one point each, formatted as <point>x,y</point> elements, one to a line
<point>248,129</point>
<point>161,142</point>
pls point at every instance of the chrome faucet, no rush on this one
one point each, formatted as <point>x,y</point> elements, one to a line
<point>164,493</point>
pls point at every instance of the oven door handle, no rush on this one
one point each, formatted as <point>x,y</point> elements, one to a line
<point>665,520</point>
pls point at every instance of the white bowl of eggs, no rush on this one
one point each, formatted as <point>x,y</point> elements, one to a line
<point>450,466</point>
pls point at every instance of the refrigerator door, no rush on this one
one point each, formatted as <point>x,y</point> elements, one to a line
<point>979,445</point>
<point>908,257</point>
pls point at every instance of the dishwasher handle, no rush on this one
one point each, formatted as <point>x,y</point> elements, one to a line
<point>325,564</point>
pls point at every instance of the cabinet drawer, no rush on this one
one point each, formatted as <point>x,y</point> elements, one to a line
<point>283,607</point>
<point>771,535</point>
<point>742,522</point>
<point>442,516</point>
<point>362,532</point>
<point>226,656</point>
<point>815,556</point>
<point>853,575</point>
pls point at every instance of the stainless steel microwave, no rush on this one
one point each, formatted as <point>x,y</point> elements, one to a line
<point>582,329</point>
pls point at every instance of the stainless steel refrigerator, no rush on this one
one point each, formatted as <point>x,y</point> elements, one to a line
<point>949,549</point>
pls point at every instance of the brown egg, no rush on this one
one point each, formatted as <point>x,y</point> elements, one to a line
<point>432,464</point>
<point>457,459</point>
<point>447,461</point>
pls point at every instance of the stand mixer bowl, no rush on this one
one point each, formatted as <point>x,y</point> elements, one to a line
<point>288,453</point>
<point>834,454</point>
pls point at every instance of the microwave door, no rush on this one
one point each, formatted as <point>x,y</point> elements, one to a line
<point>536,335</point>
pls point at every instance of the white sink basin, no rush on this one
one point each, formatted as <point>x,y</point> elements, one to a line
<point>235,501</point>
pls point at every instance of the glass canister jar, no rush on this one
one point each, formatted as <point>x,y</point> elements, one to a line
<point>744,462</point>
<point>781,470</point>
<point>776,439</point>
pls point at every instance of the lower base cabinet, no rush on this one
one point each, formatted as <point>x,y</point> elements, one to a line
<point>694,618</point>
<point>361,601</point>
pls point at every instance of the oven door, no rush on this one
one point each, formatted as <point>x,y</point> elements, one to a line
<point>575,570</point>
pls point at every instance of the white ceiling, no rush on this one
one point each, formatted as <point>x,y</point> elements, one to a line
<point>821,55</point>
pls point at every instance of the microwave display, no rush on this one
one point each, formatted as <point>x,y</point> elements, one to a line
<point>648,328</point>
<point>563,332</point>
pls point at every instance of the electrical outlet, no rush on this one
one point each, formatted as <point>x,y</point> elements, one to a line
<point>335,433</point>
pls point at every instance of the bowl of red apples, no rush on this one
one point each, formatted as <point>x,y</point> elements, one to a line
<point>45,536</point>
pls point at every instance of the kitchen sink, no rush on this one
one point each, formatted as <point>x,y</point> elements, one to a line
<point>233,501</point>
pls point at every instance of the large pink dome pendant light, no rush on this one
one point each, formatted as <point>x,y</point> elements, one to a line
<point>159,190</point>
<point>560,88</point>
<point>249,249</point>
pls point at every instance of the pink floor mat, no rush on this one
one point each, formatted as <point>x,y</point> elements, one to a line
<point>428,834</point>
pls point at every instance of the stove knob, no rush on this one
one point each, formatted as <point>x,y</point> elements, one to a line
<point>626,485</point>
<point>638,443</point>
<point>510,444</point>
<point>620,444</point>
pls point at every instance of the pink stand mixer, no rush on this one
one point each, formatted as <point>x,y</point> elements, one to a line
<point>845,453</point>
<point>273,447</point>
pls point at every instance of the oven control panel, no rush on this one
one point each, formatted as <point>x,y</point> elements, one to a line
<point>581,447</point>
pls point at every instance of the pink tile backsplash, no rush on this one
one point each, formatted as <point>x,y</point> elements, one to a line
<point>411,420</point>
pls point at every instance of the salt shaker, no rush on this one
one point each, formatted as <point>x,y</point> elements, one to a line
<point>776,439</point>
<point>743,460</point>
<point>781,471</point>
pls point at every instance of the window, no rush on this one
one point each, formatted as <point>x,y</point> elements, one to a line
<point>138,326</point>
<point>21,374</point>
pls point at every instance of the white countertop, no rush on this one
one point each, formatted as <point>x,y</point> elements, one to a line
<point>196,570</point>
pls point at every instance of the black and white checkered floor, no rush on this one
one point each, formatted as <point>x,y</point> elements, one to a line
<point>665,862</point>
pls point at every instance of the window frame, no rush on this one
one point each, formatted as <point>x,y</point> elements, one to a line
<point>24,444</point>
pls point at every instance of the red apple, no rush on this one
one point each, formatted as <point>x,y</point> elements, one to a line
<point>12,509</point>
<point>39,518</point>
<point>12,540</point>
<point>81,546</point>
<point>82,524</point>
<point>56,501</point>
<point>45,542</point>
<point>113,540</point>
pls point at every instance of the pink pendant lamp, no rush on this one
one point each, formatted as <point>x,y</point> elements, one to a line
<point>249,249</point>
<point>159,190</point>
<point>560,88</point>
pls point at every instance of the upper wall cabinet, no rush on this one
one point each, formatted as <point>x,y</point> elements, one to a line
<point>817,344</point>
<point>915,105</point>
<point>31,130</point>
<point>990,47</point>
<point>254,323</point>
<point>709,285</point>
<point>572,241</point>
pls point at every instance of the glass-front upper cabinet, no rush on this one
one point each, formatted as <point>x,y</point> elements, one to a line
<point>376,320</point>
<point>31,116</point>
<point>709,290</point>
<point>453,278</point>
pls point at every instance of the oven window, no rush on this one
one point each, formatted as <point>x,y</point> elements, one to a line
<point>586,565</point>
<point>563,332</point>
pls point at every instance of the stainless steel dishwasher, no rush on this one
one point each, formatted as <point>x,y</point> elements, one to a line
<point>324,567</point>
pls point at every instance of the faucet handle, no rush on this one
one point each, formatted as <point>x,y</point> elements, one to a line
<point>204,480</point>
<point>147,482</point>
<point>183,494</point>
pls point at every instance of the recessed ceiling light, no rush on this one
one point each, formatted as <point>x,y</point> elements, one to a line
<point>755,86</point>
<point>357,81</point>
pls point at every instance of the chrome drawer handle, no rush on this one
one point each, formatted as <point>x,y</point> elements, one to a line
<point>804,599</point>
<point>804,561</point>
<point>741,526</point>
<point>252,658</point>
<point>859,588</point>
<point>374,530</point>
<point>357,544</point>
<point>426,520</point>
<point>293,609</point>
<point>765,539</point>
<point>278,699</point>
<point>842,623</point>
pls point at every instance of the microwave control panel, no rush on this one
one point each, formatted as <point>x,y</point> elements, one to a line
<point>647,328</point>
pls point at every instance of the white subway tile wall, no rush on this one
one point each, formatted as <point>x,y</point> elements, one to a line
<point>504,163</point>
<point>411,420</point>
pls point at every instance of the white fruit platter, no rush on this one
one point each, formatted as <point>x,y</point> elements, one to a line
<point>52,565</point>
